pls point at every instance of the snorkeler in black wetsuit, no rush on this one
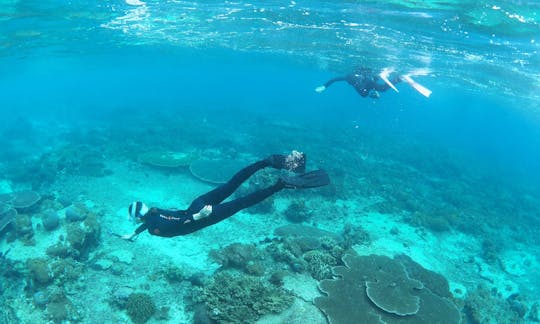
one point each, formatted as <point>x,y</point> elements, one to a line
<point>364,81</point>
<point>209,208</point>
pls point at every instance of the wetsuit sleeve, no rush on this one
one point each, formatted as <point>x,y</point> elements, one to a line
<point>329,82</point>
<point>141,229</point>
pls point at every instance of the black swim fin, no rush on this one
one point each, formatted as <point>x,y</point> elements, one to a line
<point>312,179</point>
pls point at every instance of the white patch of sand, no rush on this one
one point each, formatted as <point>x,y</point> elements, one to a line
<point>519,262</point>
<point>303,286</point>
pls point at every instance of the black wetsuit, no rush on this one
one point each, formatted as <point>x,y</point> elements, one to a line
<point>169,223</point>
<point>364,81</point>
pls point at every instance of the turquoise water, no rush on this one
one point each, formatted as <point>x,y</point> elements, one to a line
<point>451,181</point>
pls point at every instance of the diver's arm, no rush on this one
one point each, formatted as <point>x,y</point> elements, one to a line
<point>138,231</point>
<point>329,83</point>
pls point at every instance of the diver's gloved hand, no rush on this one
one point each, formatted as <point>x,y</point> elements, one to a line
<point>320,89</point>
<point>204,212</point>
<point>128,237</point>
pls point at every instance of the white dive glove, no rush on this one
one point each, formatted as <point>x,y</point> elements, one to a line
<point>320,89</point>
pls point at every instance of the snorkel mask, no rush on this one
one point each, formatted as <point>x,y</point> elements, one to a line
<point>137,210</point>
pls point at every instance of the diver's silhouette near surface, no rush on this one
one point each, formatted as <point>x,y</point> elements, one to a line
<point>364,81</point>
<point>367,83</point>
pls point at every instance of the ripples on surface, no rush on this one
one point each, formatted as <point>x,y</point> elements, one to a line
<point>487,46</point>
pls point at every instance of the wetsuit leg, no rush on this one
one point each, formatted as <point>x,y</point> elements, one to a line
<point>230,208</point>
<point>219,194</point>
<point>225,210</point>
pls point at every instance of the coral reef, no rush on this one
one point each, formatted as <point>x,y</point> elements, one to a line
<point>23,230</point>
<point>7,215</point>
<point>77,159</point>
<point>236,255</point>
<point>50,220</point>
<point>167,159</point>
<point>298,212</point>
<point>60,308</point>
<point>375,289</point>
<point>174,274</point>
<point>235,298</point>
<point>140,307</point>
<point>59,249</point>
<point>42,271</point>
<point>355,235</point>
<point>427,191</point>
<point>40,298</point>
<point>306,248</point>
<point>39,270</point>
<point>320,264</point>
<point>66,270</point>
<point>83,237</point>
<point>11,205</point>
<point>485,306</point>
<point>5,198</point>
<point>435,282</point>
<point>76,213</point>
<point>298,230</point>
<point>25,200</point>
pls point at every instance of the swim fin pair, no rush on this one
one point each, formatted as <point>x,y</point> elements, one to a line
<point>312,179</point>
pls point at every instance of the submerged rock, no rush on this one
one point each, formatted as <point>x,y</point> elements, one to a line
<point>75,214</point>
<point>40,299</point>
<point>120,295</point>
<point>50,220</point>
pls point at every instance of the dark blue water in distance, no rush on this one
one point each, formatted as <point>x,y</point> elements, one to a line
<point>493,128</point>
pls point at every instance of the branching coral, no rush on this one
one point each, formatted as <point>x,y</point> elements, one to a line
<point>236,255</point>
<point>233,298</point>
<point>140,307</point>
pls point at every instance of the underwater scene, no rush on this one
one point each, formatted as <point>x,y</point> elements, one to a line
<point>169,161</point>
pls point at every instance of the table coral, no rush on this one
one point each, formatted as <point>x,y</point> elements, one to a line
<point>166,159</point>
<point>7,215</point>
<point>25,199</point>
<point>378,289</point>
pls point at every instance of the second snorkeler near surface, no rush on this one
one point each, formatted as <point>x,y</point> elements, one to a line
<point>368,83</point>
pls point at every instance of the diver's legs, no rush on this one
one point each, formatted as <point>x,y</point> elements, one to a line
<point>220,193</point>
<point>224,210</point>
